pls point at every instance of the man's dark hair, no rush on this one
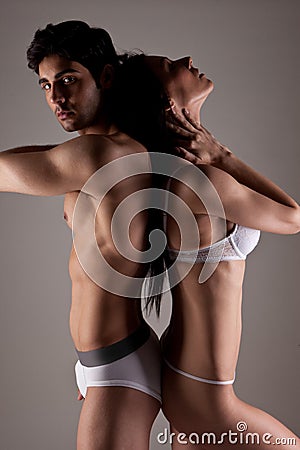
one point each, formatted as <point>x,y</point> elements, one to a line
<point>76,41</point>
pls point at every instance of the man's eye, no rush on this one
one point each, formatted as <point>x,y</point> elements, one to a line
<point>68,80</point>
<point>46,86</point>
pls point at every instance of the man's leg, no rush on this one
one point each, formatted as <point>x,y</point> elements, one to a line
<point>116,418</point>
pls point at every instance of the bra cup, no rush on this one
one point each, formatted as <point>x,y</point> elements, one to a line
<point>246,239</point>
<point>241,241</point>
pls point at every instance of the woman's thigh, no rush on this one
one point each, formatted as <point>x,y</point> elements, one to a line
<point>191,405</point>
<point>211,414</point>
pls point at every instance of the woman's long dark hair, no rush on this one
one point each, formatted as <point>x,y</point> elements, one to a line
<point>140,104</point>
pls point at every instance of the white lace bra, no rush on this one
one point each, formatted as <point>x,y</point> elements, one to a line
<point>237,245</point>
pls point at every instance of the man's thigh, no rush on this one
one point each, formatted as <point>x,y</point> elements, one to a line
<point>116,418</point>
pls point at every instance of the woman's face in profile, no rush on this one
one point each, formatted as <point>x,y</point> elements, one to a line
<point>181,81</point>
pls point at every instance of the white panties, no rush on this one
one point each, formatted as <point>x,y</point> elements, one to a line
<point>194,377</point>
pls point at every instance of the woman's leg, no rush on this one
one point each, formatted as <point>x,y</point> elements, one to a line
<point>199,408</point>
<point>116,418</point>
<point>203,339</point>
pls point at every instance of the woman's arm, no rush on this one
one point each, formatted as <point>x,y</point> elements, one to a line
<point>241,204</point>
<point>196,144</point>
<point>249,177</point>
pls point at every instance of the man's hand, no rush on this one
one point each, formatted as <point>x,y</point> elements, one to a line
<point>191,140</point>
<point>80,396</point>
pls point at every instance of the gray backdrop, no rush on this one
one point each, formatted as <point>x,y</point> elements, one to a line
<point>250,50</point>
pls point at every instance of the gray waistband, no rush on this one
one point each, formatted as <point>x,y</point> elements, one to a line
<point>118,350</point>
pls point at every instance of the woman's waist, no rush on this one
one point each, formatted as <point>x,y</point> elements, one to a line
<point>208,281</point>
<point>202,353</point>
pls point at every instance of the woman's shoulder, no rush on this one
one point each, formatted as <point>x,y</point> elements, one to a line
<point>212,173</point>
<point>200,174</point>
<point>198,185</point>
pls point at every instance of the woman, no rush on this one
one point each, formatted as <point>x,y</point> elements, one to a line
<point>202,342</point>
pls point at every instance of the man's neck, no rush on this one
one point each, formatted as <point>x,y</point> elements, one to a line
<point>104,124</point>
<point>101,128</point>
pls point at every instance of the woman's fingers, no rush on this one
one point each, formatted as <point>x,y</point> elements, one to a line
<point>192,141</point>
<point>180,127</point>
<point>196,125</point>
<point>191,145</point>
<point>178,130</point>
<point>184,120</point>
<point>173,116</point>
<point>189,156</point>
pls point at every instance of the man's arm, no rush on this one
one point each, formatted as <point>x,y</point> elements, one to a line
<point>55,171</point>
<point>30,149</point>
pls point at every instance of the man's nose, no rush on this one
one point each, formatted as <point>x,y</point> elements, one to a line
<point>57,95</point>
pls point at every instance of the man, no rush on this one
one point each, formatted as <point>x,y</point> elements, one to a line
<point>118,370</point>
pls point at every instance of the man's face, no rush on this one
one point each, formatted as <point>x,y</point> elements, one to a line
<point>71,93</point>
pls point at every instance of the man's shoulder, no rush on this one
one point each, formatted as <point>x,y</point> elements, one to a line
<point>114,160</point>
<point>110,145</point>
<point>94,150</point>
<point>125,143</point>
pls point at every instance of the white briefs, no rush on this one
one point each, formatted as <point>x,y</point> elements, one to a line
<point>122,364</point>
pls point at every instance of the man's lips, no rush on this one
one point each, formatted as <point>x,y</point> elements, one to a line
<point>64,114</point>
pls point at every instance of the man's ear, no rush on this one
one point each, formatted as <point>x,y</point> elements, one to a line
<point>107,76</point>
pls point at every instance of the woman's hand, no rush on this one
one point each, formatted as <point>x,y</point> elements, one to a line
<point>191,140</point>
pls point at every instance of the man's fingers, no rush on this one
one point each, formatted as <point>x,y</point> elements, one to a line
<point>79,396</point>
